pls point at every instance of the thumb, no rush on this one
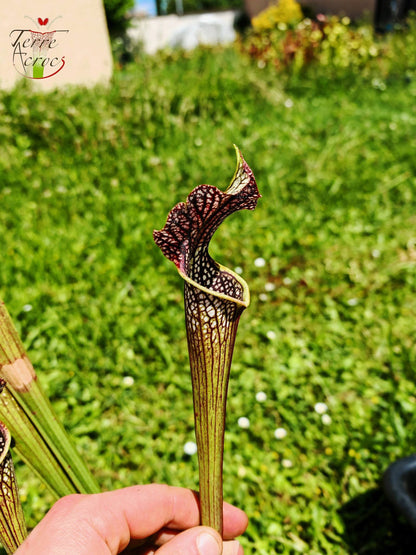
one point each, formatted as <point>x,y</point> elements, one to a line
<point>200,540</point>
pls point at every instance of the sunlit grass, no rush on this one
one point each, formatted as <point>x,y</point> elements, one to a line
<point>85,178</point>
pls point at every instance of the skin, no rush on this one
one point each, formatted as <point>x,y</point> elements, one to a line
<point>138,519</point>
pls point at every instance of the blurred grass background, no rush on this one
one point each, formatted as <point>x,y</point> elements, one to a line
<point>329,254</point>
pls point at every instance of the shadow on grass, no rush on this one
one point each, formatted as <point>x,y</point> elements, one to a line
<point>373,527</point>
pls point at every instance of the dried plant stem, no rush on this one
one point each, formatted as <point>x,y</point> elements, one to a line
<point>40,411</point>
<point>31,447</point>
<point>23,385</point>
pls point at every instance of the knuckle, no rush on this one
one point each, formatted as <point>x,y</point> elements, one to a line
<point>67,504</point>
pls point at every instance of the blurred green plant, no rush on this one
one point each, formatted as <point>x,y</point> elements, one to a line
<point>331,42</point>
<point>403,40</point>
<point>117,14</point>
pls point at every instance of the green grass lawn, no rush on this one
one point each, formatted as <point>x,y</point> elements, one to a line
<point>329,255</point>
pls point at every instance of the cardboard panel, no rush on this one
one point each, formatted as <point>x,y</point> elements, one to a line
<point>54,43</point>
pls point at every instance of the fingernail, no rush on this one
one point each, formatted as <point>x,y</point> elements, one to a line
<point>207,544</point>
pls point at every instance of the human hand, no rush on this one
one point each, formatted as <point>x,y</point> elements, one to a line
<point>108,523</point>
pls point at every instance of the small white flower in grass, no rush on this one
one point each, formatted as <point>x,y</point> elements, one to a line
<point>269,286</point>
<point>378,84</point>
<point>27,307</point>
<point>288,103</point>
<point>130,354</point>
<point>321,408</point>
<point>287,463</point>
<point>352,302</point>
<point>241,472</point>
<point>243,422</point>
<point>72,111</point>
<point>261,396</point>
<point>238,270</point>
<point>190,448</point>
<point>127,381</point>
<point>154,161</point>
<point>271,335</point>
<point>259,262</point>
<point>326,419</point>
<point>287,281</point>
<point>375,253</point>
<point>280,433</point>
<point>263,297</point>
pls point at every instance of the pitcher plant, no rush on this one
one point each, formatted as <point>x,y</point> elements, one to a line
<point>215,298</point>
